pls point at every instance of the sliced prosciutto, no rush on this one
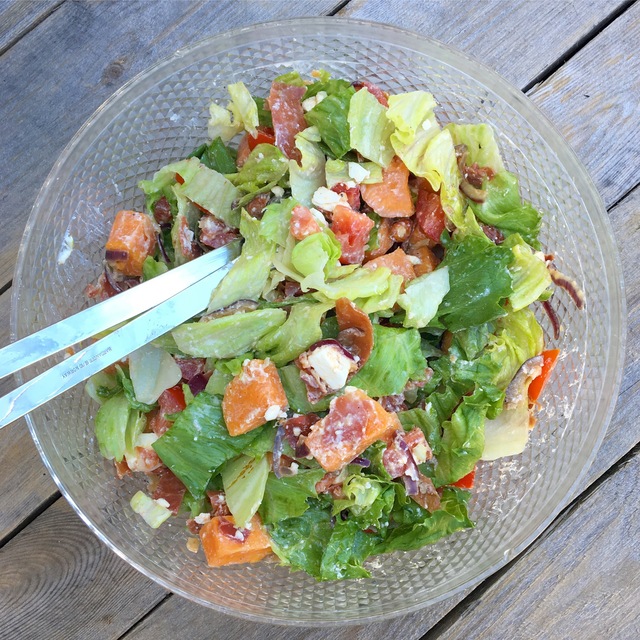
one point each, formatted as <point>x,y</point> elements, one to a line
<point>285,102</point>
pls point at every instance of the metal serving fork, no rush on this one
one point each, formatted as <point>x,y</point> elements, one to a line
<point>159,304</point>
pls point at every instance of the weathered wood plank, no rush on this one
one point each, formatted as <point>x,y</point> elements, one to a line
<point>18,18</point>
<point>59,581</point>
<point>595,101</point>
<point>518,39</point>
<point>582,580</point>
<point>93,48</point>
<point>25,482</point>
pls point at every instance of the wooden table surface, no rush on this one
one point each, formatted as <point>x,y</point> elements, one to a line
<point>577,60</point>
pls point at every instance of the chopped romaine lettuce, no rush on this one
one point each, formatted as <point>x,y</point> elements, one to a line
<point>250,272</point>
<point>396,358</point>
<point>369,128</point>
<point>479,281</point>
<point>299,332</point>
<point>241,114</point>
<point>286,497</point>
<point>308,176</point>
<point>244,480</point>
<point>227,336</point>
<point>297,393</point>
<point>339,171</point>
<point>505,210</point>
<point>423,296</point>
<point>314,257</point>
<point>330,117</point>
<point>198,443</point>
<point>529,273</point>
<point>480,142</point>
<point>153,512</point>
<point>276,218</point>
<point>117,426</point>
<point>217,156</point>
<point>265,165</point>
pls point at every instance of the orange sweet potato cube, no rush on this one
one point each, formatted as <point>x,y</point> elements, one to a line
<point>224,544</point>
<point>252,396</point>
<point>133,237</point>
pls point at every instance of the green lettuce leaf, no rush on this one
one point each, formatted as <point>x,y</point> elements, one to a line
<point>241,114</point>
<point>198,443</point>
<point>286,497</point>
<point>244,479</point>
<point>264,166</point>
<point>300,542</point>
<point>305,178</point>
<point>505,210</point>
<point>227,336</point>
<point>217,156</point>
<point>296,391</point>
<point>423,296</point>
<point>116,427</point>
<point>250,273</point>
<point>427,421</point>
<point>313,258</point>
<point>339,171</point>
<point>330,117</point>
<point>419,527</point>
<point>165,178</point>
<point>481,144</point>
<point>395,359</point>
<point>152,268</point>
<point>369,128</point>
<point>462,441</point>
<point>479,280</point>
<point>368,499</point>
<point>529,273</point>
<point>384,300</point>
<point>211,191</point>
<point>300,331</point>
<point>361,283</point>
<point>276,218</point>
<point>347,548</point>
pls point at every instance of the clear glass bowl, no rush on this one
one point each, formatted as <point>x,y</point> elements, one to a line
<point>160,116</point>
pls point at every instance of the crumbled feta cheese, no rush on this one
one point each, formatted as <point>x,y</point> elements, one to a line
<point>272,412</point>
<point>277,191</point>
<point>330,364</point>
<point>145,440</point>
<point>203,518</point>
<point>358,172</point>
<point>296,431</point>
<point>162,502</point>
<point>238,535</point>
<point>313,101</point>
<point>66,249</point>
<point>327,199</point>
<point>294,468</point>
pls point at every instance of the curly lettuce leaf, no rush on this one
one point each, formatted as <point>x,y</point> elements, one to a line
<point>276,219</point>
<point>299,332</point>
<point>529,273</point>
<point>314,257</point>
<point>308,176</point>
<point>264,166</point>
<point>505,209</point>
<point>250,272</point>
<point>423,296</point>
<point>395,359</point>
<point>480,142</point>
<point>479,281</point>
<point>198,443</point>
<point>241,114</point>
<point>330,116</point>
<point>417,527</point>
<point>369,128</point>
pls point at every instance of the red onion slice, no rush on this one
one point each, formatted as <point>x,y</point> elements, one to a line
<point>163,251</point>
<point>113,255</point>
<point>361,462</point>
<point>555,323</point>
<point>278,444</point>
<point>198,383</point>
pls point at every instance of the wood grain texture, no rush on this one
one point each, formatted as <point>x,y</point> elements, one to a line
<point>58,581</point>
<point>18,18</point>
<point>93,48</point>
<point>595,101</point>
<point>581,580</point>
<point>25,482</point>
<point>517,39</point>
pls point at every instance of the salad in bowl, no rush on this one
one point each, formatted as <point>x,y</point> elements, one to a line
<point>373,342</point>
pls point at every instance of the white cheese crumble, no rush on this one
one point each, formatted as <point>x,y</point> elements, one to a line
<point>277,191</point>
<point>66,249</point>
<point>319,218</point>
<point>162,502</point>
<point>273,412</point>
<point>414,259</point>
<point>330,364</point>
<point>358,172</point>
<point>313,101</point>
<point>203,518</point>
<point>326,199</point>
